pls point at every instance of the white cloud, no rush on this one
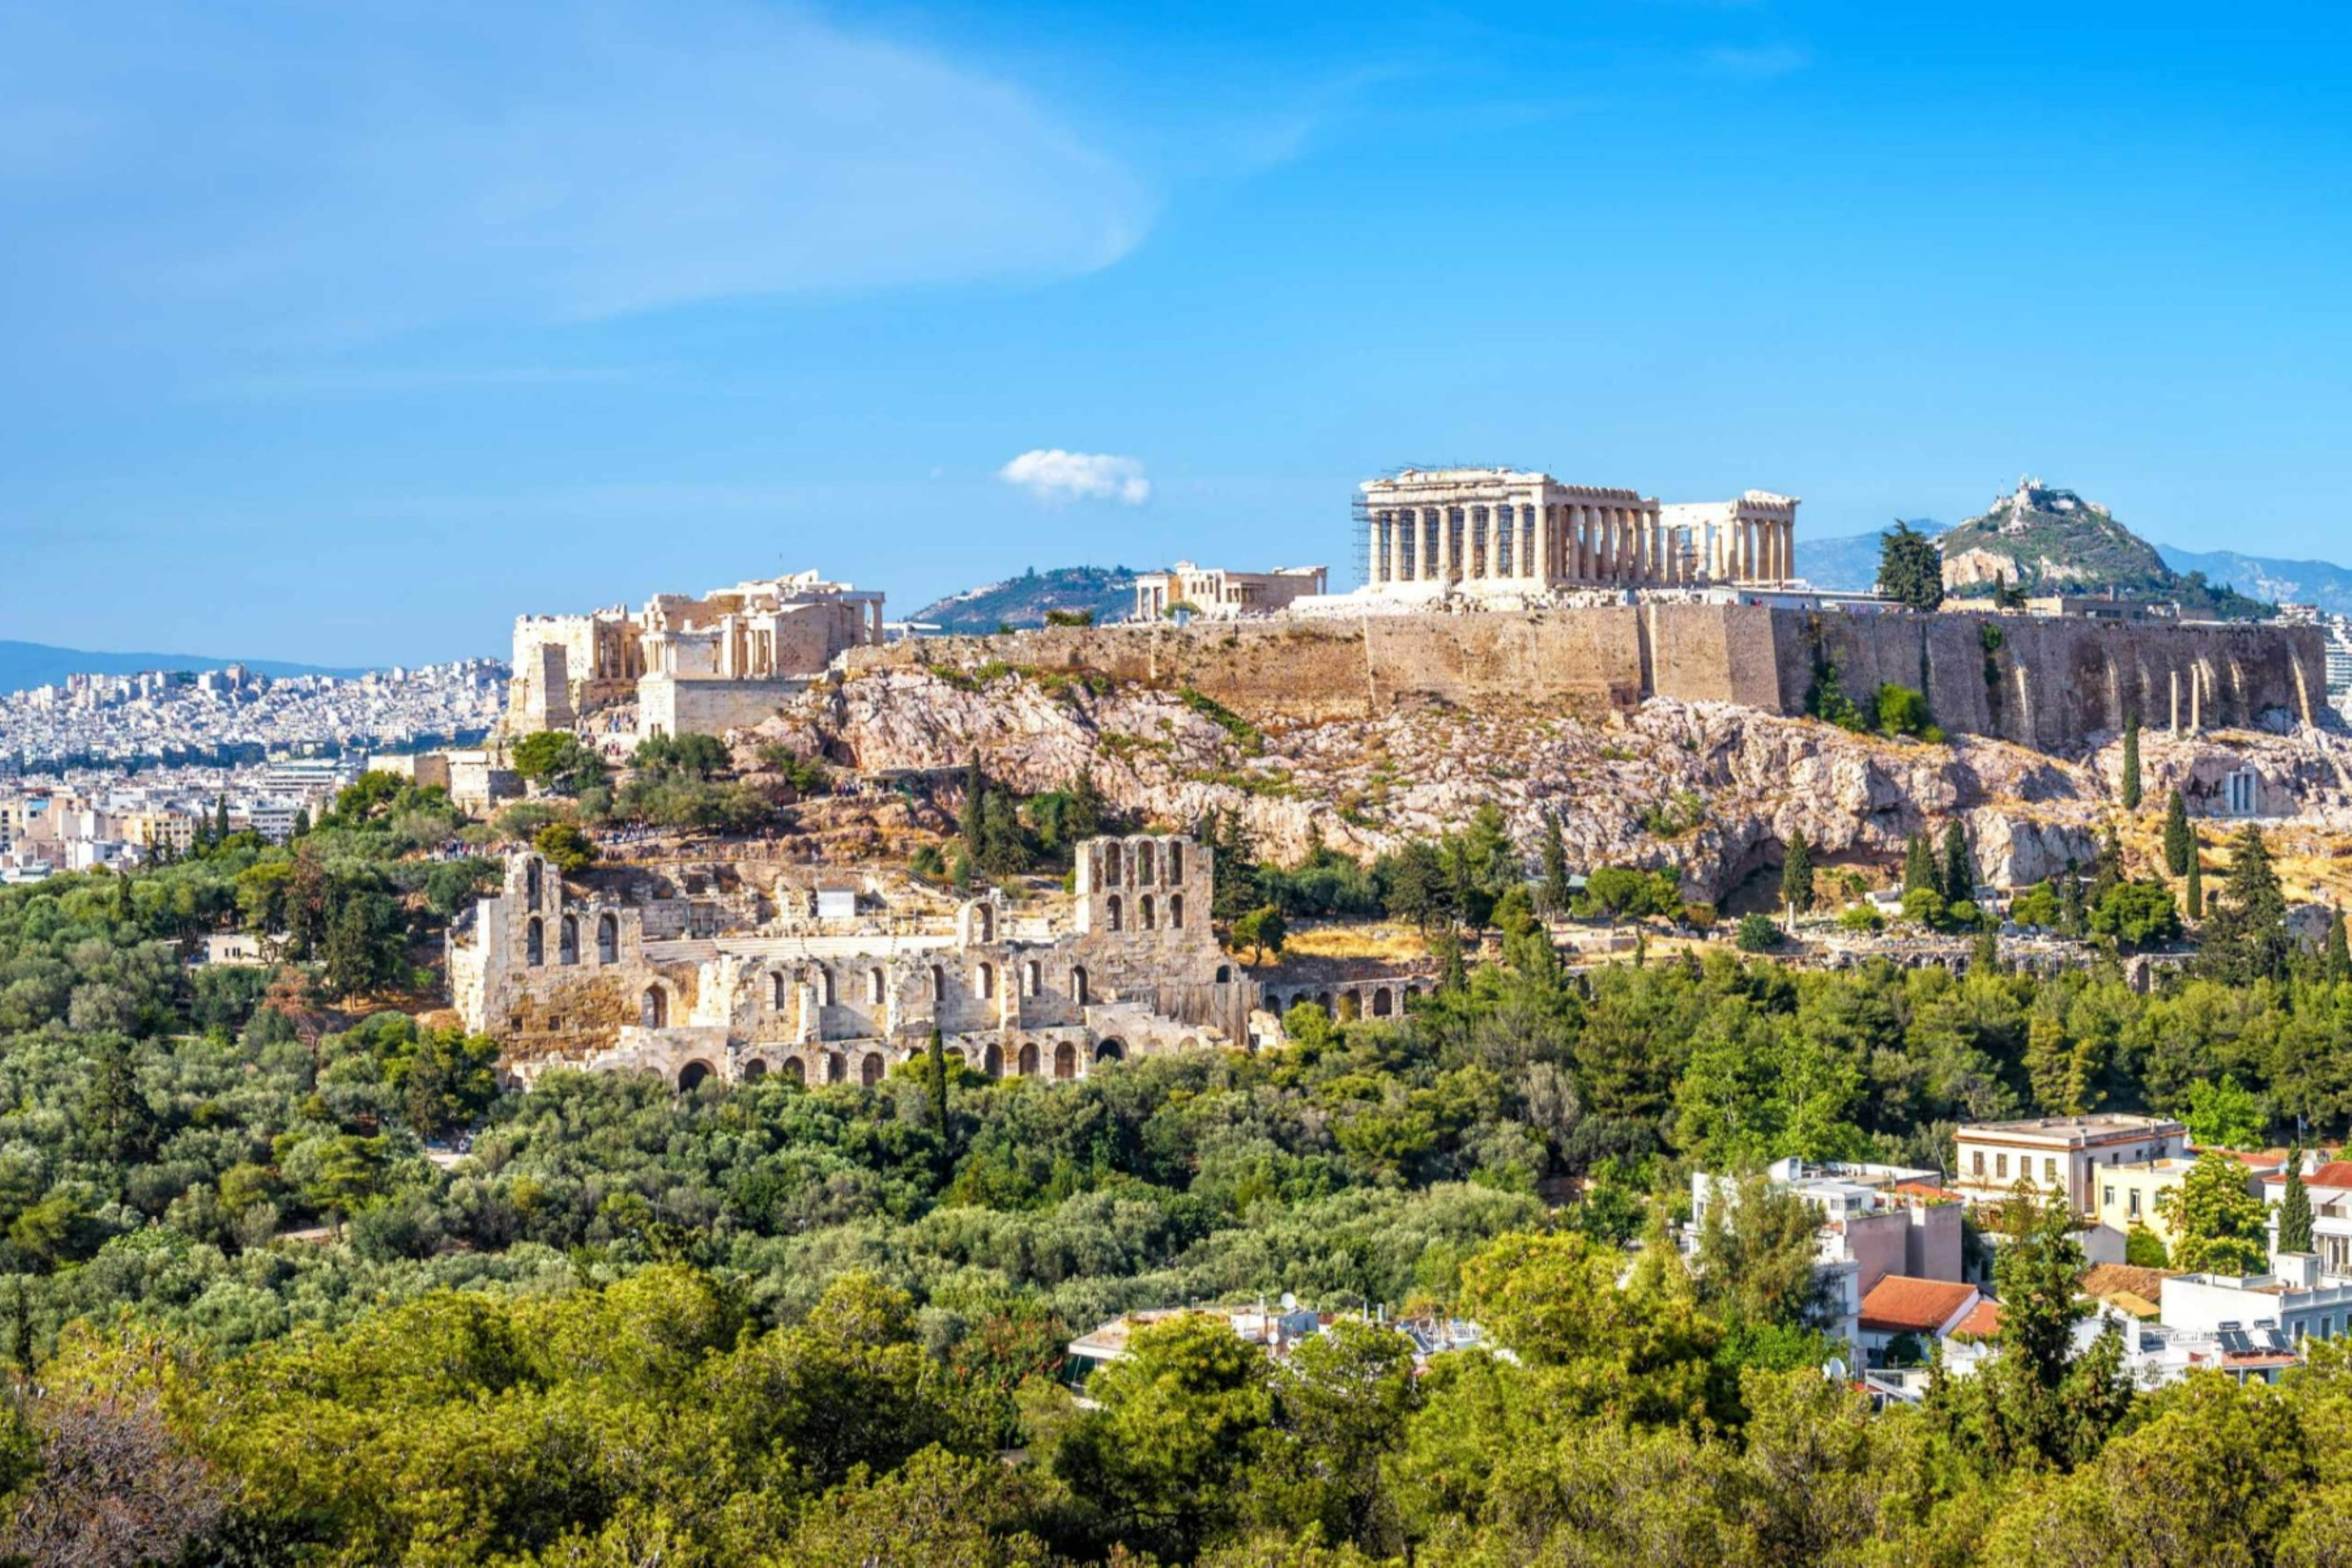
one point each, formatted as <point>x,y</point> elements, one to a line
<point>1054,475</point>
<point>299,173</point>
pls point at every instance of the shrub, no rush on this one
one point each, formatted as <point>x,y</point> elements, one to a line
<point>1862,918</point>
<point>1758,933</point>
<point>565,845</point>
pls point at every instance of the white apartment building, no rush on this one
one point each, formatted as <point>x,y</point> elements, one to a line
<point>2055,1156</point>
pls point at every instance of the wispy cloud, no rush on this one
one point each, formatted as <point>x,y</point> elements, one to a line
<point>1758,63</point>
<point>320,172</point>
<point>1054,475</point>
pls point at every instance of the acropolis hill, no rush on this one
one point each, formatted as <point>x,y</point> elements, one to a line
<point>1578,653</point>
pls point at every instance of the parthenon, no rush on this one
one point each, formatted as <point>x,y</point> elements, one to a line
<point>1489,530</point>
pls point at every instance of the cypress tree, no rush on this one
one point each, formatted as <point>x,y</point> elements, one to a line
<point>2131,761</point>
<point>1796,874</point>
<point>2294,1208</point>
<point>1959,883</point>
<point>1555,868</point>
<point>975,805</point>
<point>2108,870</point>
<point>2337,966</point>
<point>301,822</point>
<point>938,1060</point>
<point>2071,920</point>
<point>2194,895</point>
<point>1919,865</point>
<point>220,818</point>
<point>2179,844</point>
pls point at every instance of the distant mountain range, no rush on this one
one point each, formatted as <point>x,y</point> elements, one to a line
<point>1849,563</point>
<point>24,665</point>
<point>1022,601</point>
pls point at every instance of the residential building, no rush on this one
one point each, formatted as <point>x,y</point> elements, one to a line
<point>2055,1157</point>
<point>2330,1190</point>
<point>1925,1310</point>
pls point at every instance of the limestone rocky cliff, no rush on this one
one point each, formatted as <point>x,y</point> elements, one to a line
<point>1711,788</point>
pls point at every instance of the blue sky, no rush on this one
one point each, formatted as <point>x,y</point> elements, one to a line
<point>346,333</point>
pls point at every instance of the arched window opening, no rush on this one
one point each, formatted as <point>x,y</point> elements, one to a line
<point>938,985</point>
<point>534,943</point>
<point>985,922</point>
<point>983,982</point>
<point>991,1062</point>
<point>779,991</point>
<point>1382,1003</point>
<point>1225,974</point>
<point>531,878</point>
<point>608,939</point>
<point>755,1071</point>
<point>1150,916</point>
<point>567,940</point>
<point>1176,912</point>
<point>1175,862</point>
<point>1112,1050</point>
<point>693,1075</point>
<point>1078,986</point>
<point>792,1070</point>
<point>825,987</point>
<point>1032,978</point>
<point>1028,1061</point>
<point>874,987</point>
<point>653,1008</point>
<point>836,1067</point>
<point>1066,1060</point>
<point>1110,864</point>
<point>1112,912</point>
<point>869,1071</point>
<point>1144,866</point>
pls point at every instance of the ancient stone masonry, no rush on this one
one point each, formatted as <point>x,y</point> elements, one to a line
<point>737,984</point>
<point>1502,531</point>
<point>692,666</point>
<point>2050,684</point>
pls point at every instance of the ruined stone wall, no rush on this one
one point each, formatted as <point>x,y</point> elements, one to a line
<point>1584,660</point>
<point>2050,684</point>
<point>669,706</point>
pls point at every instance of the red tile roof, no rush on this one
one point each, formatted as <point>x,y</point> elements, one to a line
<point>2335,1173</point>
<point>1983,1322</point>
<point>1900,1304</point>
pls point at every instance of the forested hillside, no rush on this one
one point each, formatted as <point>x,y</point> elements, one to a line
<point>262,1308</point>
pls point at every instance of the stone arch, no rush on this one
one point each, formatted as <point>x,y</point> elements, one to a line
<point>1175,862</point>
<point>984,981</point>
<point>824,993</point>
<point>1351,1005</point>
<point>533,882</point>
<point>987,922</point>
<point>694,1075</point>
<point>1027,1062</point>
<point>755,1071</point>
<point>1078,985</point>
<point>1066,1061</point>
<point>608,938</point>
<point>1323,1000</point>
<point>1147,915</point>
<point>534,942</point>
<point>1110,864</point>
<point>790,1068</point>
<point>1111,1050</point>
<point>1112,912</point>
<point>567,940</point>
<point>875,987</point>
<point>1188,1043</point>
<point>1383,1004</point>
<point>836,1067</point>
<point>1032,978</point>
<point>1144,864</point>
<point>869,1071</point>
<point>938,985</point>
<point>653,1008</point>
<point>1413,993</point>
<point>1176,912</point>
<point>992,1060</point>
<point>953,1054</point>
<point>1225,974</point>
<point>779,991</point>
